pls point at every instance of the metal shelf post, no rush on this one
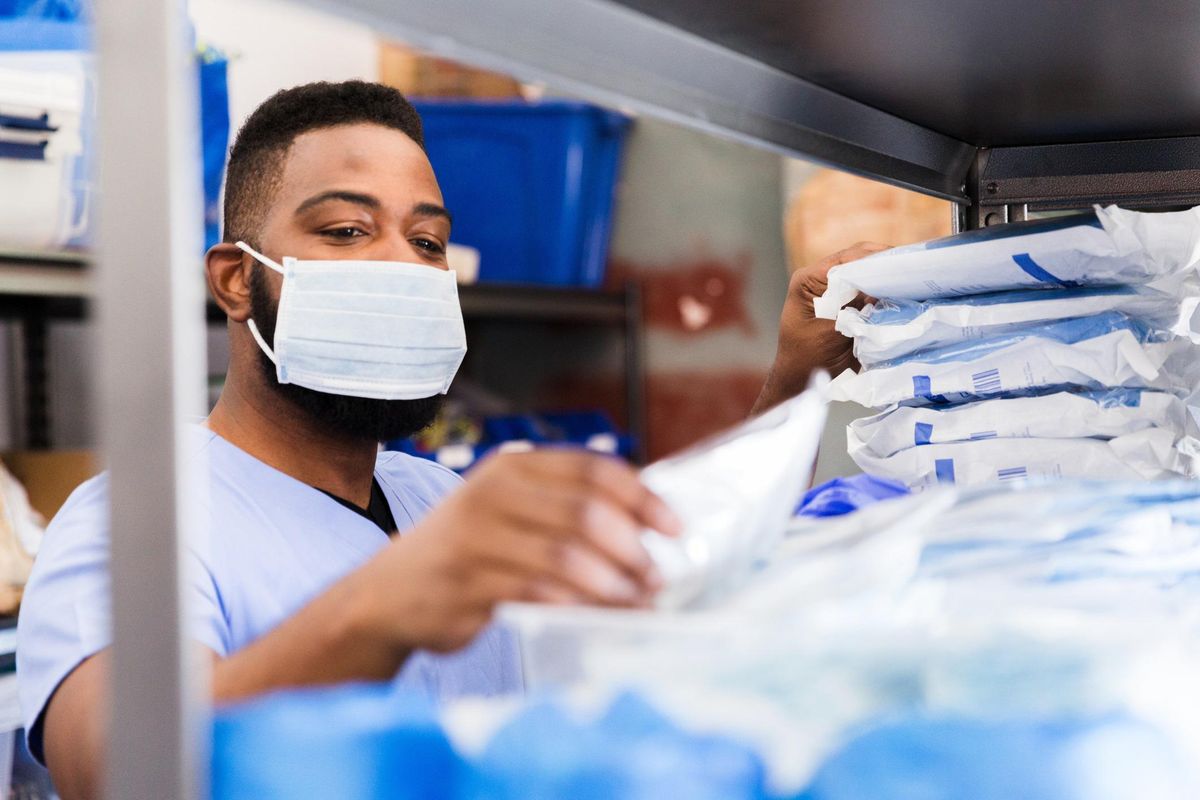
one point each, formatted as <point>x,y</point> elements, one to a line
<point>151,315</point>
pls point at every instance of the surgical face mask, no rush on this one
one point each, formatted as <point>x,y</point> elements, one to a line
<point>377,329</point>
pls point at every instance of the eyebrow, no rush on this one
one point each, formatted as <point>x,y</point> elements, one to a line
<point>371,202</point>
<point>431,210</point>
<point>357,198</point>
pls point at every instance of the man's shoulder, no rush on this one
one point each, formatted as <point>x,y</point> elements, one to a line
<point>89,501</point>
<point>417,474</point>
<point>91,497</point>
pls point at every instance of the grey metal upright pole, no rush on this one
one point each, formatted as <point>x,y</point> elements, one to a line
<point>151,312</point>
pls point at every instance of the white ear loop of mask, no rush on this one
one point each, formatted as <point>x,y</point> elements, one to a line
<point>266,262</point>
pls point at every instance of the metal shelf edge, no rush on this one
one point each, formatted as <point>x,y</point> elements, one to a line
<point>603,51</point>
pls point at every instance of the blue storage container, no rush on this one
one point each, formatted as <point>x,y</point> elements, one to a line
<point>530,185</point>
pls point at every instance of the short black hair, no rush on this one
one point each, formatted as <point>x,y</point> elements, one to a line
<point>257,157</point>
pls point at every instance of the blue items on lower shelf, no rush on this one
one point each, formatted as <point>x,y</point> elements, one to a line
<point>530,185</point>
<point>590,429</point>
<point>632,752</point>
<point>972,759</point>
<point>365,742</point>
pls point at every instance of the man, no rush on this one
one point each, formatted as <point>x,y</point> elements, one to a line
<point>299,577</point>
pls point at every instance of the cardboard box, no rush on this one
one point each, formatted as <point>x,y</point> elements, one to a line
<point>418,75</point>
<point>49,476</point>
<point>833,210</point>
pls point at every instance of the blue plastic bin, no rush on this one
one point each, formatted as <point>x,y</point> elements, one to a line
<point>530,185</point>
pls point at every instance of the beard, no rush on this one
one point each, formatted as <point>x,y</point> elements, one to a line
<point>352,417</point>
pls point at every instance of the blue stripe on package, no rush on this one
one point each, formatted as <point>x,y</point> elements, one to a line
<point>1109,350</point>
<point>1039,273</point>
<point>944,469</point>
<point>1104,247</point>
<point>923,433</point>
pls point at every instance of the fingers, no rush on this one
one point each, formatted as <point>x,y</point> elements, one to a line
<point>852,253</point>
<point>571,522</point>
<point>606,477</point>
<point>557,569</point>
<point>812,281</point>
<point>570,513</point>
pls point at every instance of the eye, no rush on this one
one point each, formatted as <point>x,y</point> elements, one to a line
<point>429,245</point>
<point>344,232</point>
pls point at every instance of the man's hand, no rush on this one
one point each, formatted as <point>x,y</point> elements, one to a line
<point>555,526</point>
<point>805,342</point>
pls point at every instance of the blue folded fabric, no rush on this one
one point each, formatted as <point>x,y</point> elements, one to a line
<point>843,495</point>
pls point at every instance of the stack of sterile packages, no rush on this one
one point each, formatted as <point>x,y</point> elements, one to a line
<point>1052,348</point>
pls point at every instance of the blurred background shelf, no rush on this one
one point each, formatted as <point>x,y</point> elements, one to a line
<point>537,329</point>
<point>57,284</point>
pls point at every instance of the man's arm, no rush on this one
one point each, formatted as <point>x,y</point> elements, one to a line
<point>74,726</point>
<point>552,526</point>
<point>806,343</point>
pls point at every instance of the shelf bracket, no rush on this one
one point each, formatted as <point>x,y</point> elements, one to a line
<point>1005,183</point>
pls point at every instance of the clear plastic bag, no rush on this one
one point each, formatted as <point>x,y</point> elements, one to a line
<point>735,495</point>
<point>1106,247</point>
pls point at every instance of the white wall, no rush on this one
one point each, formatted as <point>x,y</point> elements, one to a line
<point>274,45</point>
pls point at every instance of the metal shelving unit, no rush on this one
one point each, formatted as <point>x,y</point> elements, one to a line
<point>999,107</point>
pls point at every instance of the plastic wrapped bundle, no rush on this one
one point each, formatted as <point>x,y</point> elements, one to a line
<point>1106,247</point>
<point>887,330</point>
<point>1108,350</point>
<point>1104,414</point>
<point>1147,454</point>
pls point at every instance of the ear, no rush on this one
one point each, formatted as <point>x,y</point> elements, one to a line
<point>229,280</point>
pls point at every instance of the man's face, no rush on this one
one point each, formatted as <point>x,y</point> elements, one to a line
<point>361,192</point>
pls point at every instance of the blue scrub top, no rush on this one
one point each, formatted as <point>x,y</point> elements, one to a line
<point>271,545</point>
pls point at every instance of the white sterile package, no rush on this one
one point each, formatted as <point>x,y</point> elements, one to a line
<point>1107,350</point>
<point>735,495</point>
<point>1105,247</point>
<point>891,329</point>
<point>1146,454</point>
<point>1062,415</point>
<point>44,172</point>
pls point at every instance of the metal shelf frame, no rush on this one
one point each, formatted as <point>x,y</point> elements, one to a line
<point>600,49</point>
